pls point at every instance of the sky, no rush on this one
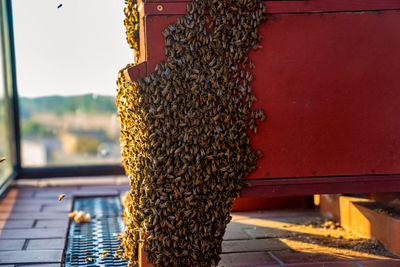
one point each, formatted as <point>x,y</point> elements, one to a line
<point>75,49</point>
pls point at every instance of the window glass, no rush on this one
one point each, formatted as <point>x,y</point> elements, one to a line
<point>68,54</point>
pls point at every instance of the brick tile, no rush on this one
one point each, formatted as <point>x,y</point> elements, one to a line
<point>25,193</point>
<point>98,192</point>
<point>56,208</point>
<point>246,259</point>
<point>38,265</point>
<point>235,235</point>
<point>54,195</point>
<point>271,227</point>
<point>79,181</point>
<point>11,244</point>
<point>59,189</point>
<point>78,193</point>
<point>107,187</point>
<point>15,224</point>
<point>326,264</point>
<point>380,263</point>
<point>27,188</point>
<point>32,233</point>
<point>40,202</point>
<point>52,223</point>
<point>30,256</point>
<point>20,208</point>
<point>252,245</point>
<point>54,192</point>
<point>44,244</point>
<point>234,231</point>
<point>266,232</point>
<point>37,215</point>
<point>269,214</point>
<point>4,215</point>
<point>291,256</point>
<point>306,246</point>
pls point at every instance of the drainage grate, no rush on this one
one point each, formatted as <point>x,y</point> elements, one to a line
<point>91,239</point>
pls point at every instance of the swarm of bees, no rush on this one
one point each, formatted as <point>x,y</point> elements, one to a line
<point>184,138</point>
<point>80,216</point>
<point>131,23</point>
<point>104,254</point>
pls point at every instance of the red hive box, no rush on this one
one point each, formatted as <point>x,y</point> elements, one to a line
<point>327,76</point>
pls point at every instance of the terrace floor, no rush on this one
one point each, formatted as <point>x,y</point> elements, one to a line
<point>33,230</point>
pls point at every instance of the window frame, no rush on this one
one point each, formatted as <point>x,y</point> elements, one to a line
<point>10,77</point>
<point>10,96</point>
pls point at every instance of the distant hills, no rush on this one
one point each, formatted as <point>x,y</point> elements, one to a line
<point>88,103</point>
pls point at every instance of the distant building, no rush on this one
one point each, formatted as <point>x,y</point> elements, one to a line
<point>75,141</point>
<point>37,152</point>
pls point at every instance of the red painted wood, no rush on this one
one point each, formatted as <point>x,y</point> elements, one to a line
<point>155,52</point>
<point>274,7</point>
<point>329,86</point>
<point>166,1</point>
<point>151,9</point>
<point>135,72</point>
<point>328,83</point>
<point>329,185</point>
<point>329,6</point>
<point>269,203</point>
<point>330,95</point>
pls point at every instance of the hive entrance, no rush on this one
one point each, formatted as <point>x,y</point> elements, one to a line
<point>88,241</point>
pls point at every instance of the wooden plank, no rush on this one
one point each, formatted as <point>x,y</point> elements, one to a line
<point>136,72</point>
<point>330,100</point>
<point>315,82</point>
<point>328,84</point>
<point>326,185</point>
<point>329,6</point>
<point>276,7</point>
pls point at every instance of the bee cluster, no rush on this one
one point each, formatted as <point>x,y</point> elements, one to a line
<point>131,23</point>
<point>184,138</point>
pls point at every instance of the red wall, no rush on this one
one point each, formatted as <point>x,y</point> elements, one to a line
<point>327,76</point>
<point>329,84</point>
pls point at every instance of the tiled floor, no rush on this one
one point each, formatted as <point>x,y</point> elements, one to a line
<point>33,228</point>
<point>33,223</point>
<point>266,238</point>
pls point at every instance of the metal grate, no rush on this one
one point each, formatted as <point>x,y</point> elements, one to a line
<point>91,239</point>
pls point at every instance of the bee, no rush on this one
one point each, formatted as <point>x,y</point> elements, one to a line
<point>61,197</point>
<point>72,214</point>
<point>119,236</point>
